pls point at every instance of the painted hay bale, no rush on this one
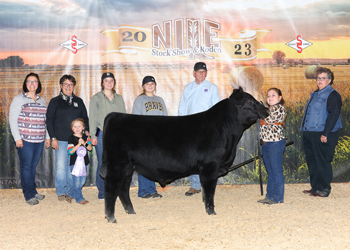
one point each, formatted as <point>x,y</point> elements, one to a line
<point>300,65</point>
<point>285,66</point>
<point>310,71</point>
<point>227,69</point>
<point>210,67</point>
<point>248,77</point>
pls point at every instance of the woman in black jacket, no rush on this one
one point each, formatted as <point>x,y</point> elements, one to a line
<point>62,110</point>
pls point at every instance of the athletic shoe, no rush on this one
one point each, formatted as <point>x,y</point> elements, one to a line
<point>33,201</point>
<point>39,197</point>
<point>156,195</point>
<point>307,191</point>
<point>62,197</point>
<point>147,196</point>
<point>270,202</point>
<point>263,200</point>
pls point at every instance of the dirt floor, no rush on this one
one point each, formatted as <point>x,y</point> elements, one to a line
<point>179,222</point>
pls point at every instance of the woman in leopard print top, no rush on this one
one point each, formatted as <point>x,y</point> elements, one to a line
<point>273,140</point>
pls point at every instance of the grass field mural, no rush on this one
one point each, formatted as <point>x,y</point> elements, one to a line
<point>296,89</point>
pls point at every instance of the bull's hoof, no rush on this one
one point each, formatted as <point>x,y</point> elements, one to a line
<point>130,212</point>
<point>111,220</point>
<point>211,212</point>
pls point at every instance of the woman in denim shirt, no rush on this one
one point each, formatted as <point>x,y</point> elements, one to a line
<point>321,124</point>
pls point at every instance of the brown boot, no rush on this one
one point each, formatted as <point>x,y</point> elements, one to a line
<point>192,191</point>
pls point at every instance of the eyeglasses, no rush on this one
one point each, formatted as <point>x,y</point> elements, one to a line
<point>321,78</point>
<point>33,82</point>
<point>70,85</point>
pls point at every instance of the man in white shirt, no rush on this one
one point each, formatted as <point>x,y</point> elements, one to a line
<point>198,96</point>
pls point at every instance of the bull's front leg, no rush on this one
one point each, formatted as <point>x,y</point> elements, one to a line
<point>209,191</point>
<point>208,186</point>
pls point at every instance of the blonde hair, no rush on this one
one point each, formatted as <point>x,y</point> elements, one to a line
<point>77,120</point>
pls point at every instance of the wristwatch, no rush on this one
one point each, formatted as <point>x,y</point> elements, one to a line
<point>53,139</point>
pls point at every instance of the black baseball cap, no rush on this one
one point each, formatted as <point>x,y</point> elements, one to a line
<point>107,74</point>
<point>200,65</point>
<point>147,79</point>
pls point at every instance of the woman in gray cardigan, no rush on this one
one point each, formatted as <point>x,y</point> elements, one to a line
<point>101,104</point>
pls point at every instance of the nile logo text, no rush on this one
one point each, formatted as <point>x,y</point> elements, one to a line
<point>185,37</point>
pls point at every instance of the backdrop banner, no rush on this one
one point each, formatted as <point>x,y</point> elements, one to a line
<point>255,44</point>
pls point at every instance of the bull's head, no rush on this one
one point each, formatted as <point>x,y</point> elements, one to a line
<point>249,109</point>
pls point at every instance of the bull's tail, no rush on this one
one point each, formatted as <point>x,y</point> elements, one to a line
<point>103,168</point>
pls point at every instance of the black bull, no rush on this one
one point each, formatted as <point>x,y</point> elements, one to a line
<point>164,149</point>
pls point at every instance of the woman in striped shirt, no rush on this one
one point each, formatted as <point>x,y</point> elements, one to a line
<point>28,128</point>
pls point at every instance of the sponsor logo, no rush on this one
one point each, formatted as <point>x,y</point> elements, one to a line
<point>299,44</point>
<point>74,44</point>
<point>9,181</point>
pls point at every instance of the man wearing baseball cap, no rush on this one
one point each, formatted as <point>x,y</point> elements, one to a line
<point>198,96</point>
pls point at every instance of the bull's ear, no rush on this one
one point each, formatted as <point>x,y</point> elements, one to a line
<point>236,91</point>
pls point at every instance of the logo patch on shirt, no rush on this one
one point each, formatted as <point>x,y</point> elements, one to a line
<point>75,104</point>
<point>205,90</point>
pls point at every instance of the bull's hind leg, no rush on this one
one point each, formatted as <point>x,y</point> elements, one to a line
<point>125,192</point>
<point>111,193</point>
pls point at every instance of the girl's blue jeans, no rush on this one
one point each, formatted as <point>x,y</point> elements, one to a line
<point>75,191</point>
<point>273,158</point>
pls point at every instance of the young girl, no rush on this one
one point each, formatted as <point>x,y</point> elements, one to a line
<point>273,145</point>
<point>75,141</point>
<point>148,104</point>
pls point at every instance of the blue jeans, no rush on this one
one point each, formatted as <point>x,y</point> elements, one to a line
<point>146,186</point>
<point>75,191</point>
<point>273,158</point>
<point>29,157</point>
<point>195,182</point>
<point>63,176</point>
<point>99,180</point>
